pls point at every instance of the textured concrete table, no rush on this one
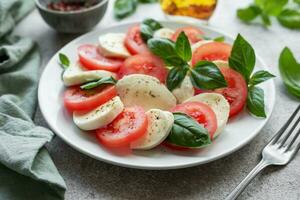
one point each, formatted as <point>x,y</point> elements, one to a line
<point>87,178</point>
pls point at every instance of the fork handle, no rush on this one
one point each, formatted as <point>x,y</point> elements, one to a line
<point>240,188</point>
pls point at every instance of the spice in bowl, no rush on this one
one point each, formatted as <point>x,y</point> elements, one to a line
<point>70,6</point>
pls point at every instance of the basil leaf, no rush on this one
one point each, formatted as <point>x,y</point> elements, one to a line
<point>266,19</point>
<point>146,32</point>
<point>297,1</point>
<point>183,47</point>
<point>290,71</point>
<point>260,76</point>
<point>242,58</point>
<point>248,14</point>
<point>187,132</point>
<point>93,84</point>
<point>219,39</point>
<point>165,49</point>
<point>175,77</point>
<point>256,102</point>
<point>124,8</point>
<point>271,7</point>
<point>153,24</point>
<point>290,18</point>
<point>64,61</point>
<point>206,75</point>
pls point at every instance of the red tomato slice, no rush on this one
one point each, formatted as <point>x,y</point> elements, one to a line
<point>144,64</point>
<point>130,125</point>
<point>76,99</point>
<point>236,92</point>
<point>201,112</point>
<point>134,42</point>
<point>194,34</point>
<point>91,58</point>
<point>212,51</point>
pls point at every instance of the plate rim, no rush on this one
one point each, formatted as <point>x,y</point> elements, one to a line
<point>149,167</point>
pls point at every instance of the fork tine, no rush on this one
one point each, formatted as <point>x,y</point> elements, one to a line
<point>293,141</point>
<point>282,130</point>
<point>286,136</point>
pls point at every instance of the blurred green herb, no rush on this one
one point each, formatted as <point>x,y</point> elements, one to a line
<point>263,10</point>
<point>64,61</point>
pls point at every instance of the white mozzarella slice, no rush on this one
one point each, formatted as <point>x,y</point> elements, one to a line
<point>200,43</point>
<point>112,45</point>
<point>164,33</point>
<point>77,74</point>
<point>100,116</point>
<point>218,104</point>
<point>159,126</point>
<point>221,63</point>
<point>184,91</point>
<point>145,91</point>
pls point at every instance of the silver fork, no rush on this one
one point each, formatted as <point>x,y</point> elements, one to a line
<point>279,151</point>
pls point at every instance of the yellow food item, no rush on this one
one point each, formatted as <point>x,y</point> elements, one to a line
<point>202,9</point>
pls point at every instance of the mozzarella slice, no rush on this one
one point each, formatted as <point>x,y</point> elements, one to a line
<point>112,45</point>
<point>145,91</point>
<point>218,104</point>
<point>77,74</point>
<point>164,33</point>
<point>184,91</point>
<point>100,116</point>
<point>200,43</point>
<point>159,126</point>
<point>221,63</point>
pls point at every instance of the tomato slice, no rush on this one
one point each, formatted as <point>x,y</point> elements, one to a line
<point>144,64</point>
<point>76,99</point>
<point>130,125</point>
<point>236,92</point>
<point>212,51</point>
<point>91,58</point>
<point>201,112</point>
<point>194,34</point>
<point>134,42</point>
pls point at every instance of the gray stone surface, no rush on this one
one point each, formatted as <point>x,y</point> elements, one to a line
<point>87,178</point>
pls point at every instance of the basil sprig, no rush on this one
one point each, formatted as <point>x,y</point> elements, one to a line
<point>242,60</point>
<point>100,82</point>
<point>64,61</point>
<point>148,27</point>
<point>290,71</point>
<point>125,8</point>
<point>187,132</point>
<point>287,16</point>
<point>205,75</point>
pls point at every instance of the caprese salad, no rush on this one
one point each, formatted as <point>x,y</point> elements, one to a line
<point>154,85</point>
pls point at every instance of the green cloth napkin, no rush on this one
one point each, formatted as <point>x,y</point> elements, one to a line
<point>26,169</point>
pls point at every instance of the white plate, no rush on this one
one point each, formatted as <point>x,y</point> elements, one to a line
<point>238,132</point>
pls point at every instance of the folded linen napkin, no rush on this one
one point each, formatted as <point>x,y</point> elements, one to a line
<point>26,169</point>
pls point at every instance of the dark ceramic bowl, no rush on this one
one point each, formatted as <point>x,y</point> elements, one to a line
<point>78,21</point>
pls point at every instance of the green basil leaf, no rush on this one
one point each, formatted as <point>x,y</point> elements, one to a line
<point>124,8</point>
<point>290,71</point>
<point>206,75</point>
<point>93,84</point>
<point>266,19</point>
<point>260,76</point>
<point>165,49</point>
<point>147,1</point>
<point>271,7</point>
<point>248,14</point>
<point>187,132</point>
<point>64,60</point>
<point>183,47</point>
<point>219,39</point>
<point>242,58</point>
<point>146,32</point>
<point>256,102</point>
<point>153,24</point>
<point>290,18</point>
<point>175,77</point>
<point>297,1</point>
